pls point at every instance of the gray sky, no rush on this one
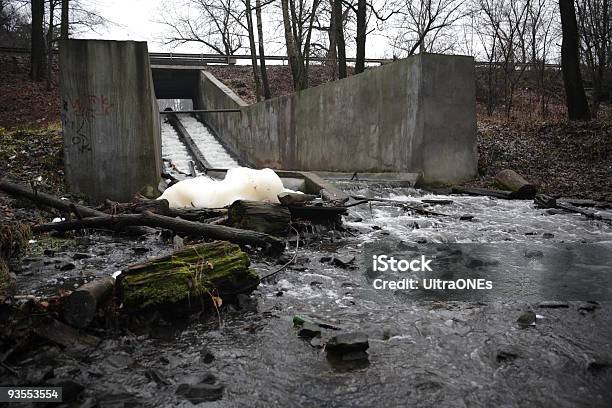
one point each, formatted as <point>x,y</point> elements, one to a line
<point>139,20</point>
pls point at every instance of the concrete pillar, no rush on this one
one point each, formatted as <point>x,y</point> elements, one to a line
<point>110,118</point>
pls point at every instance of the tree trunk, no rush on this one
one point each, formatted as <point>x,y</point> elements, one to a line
<point>262,54</point>
<point>340,39</point>
<point>361,36</point>
<point>179,226</point>
<point>291,46</point>
<point>49,72</point>
<point>80,307</point>
<point>257,216</point>
<point>65,20</point>
<point>513,181</point>
<point>187,280</point>
<point>253,49</point>
<point>576,101</point>
<point>37,55</point>
<point>332,52</point>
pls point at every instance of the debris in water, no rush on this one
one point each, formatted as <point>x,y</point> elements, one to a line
<point>527,319</point>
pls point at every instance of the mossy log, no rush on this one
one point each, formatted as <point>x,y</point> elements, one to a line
<point>188,279</point>
<point>258,216</point>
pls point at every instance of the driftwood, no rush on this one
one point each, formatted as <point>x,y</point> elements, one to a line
<point>318,214</point>
<point>483,192</point>
<point>258,216</point>
<point>514,182</point>
<point>64,206</point>
<point>62,334</point>
<point>80,307</point>
<point>295,198</point>
<point>189,279</point>
<point>544,201</point>
<point>179,226</point>
<point>48,200</point>
<point>162,207</point>
<point>404,204</point>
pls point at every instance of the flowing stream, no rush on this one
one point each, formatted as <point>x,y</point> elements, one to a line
<point>422,353</point>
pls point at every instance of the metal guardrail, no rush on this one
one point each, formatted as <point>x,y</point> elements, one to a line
<point>188,59</point>
<point>171,112</point>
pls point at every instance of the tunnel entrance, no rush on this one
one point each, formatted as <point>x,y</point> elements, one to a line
<point>175,83</point>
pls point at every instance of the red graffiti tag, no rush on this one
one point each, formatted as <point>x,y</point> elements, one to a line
<point>91,105</point>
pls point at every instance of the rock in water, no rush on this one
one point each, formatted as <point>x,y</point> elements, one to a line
<point>187,279</point>
<point>527,319</point>
<point>200,392</point>
<point>309,330</point>
<point>345,343</point>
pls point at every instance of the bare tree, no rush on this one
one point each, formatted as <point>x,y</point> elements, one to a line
<point>211,23</point>
<point>298,23</point>
<point>251,34</point>
<point>37,53</point>
<point>50,39</point>
<point>262,55</point>
<point>421,23</point>
<point>65,19</point>
<point>577,105</point>
<point>338,22</point>
<point>595,32</point>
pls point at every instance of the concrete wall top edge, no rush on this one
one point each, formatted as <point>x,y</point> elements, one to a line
<point>415,58</point>
<point>224,88</point>
<point>96,40</point>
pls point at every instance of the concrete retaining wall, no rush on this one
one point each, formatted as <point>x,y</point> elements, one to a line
<point>110,118</point>
<point>414,115</point>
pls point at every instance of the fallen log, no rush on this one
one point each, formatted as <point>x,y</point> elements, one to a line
<point>258,216</point>
<point>179,226</point>
<point>64,206</point>
<point>545,201</point>
<point>187,280</point>
<point>406,205</point>
<point>162,207</point>
<point>80,307</point>
<point>62,334</point>
<point>295,198</point>
<point>318,214</point>
<point>507,195</point>
<point>514,182</point>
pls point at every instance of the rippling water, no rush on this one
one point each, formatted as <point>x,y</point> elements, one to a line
<point>426,354</point>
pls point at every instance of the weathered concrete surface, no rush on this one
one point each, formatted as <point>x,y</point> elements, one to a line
<point>414,115</point>
<point>110,119</point>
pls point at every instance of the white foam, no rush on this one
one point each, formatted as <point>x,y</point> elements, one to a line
<point>239,183</point>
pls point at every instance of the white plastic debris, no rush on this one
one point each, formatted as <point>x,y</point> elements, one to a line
<point>240,183</point>
<point>115,274</point>
<point>57,219</point>
<point>32,241</point>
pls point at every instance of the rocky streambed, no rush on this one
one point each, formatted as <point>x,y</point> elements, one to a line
<point>420,352</point>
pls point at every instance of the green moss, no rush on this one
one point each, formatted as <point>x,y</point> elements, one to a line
<point>188,276</point>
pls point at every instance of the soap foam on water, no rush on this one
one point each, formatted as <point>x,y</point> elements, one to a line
<point>240,183</point>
